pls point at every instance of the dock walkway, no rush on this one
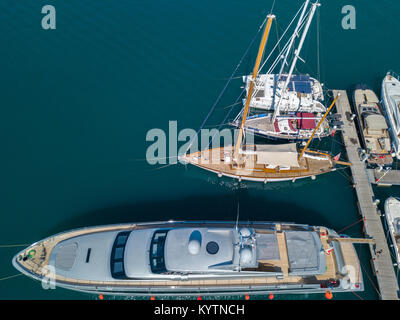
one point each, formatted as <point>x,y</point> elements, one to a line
<point>383,265</point>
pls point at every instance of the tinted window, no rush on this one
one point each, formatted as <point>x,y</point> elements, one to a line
<point>157,261</point>
<point>118,267</point>
<point>117,255</point>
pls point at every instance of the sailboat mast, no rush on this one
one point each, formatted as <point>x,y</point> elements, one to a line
<point>251,88</point>
<point>296,32</point>
<point>317,127</point>
<point>297,54</point>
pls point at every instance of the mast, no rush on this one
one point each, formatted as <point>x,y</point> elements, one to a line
<point>251,88</point>
<point>297,54</point>
<point>317,127</point>
<point>296,32</point>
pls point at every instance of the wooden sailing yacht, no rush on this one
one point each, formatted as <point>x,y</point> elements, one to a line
<point>263,163</point>
<point>287,106</point>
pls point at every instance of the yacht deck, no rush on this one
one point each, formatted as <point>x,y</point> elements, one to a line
<point>215,160</point>
<point>37,265</point>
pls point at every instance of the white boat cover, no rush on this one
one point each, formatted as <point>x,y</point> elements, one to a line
<point>284,155</point>
<point>376,122</point>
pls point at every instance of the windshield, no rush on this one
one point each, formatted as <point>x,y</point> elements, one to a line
<point>157,261</point>
<point>117,255</point>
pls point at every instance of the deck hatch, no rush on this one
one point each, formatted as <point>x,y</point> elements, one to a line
<point>66,255</point>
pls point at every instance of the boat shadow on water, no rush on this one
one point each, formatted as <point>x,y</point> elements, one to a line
<point>218,207</point>
<point>234,184</point>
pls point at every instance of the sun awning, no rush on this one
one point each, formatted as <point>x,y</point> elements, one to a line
<point>284,155</point>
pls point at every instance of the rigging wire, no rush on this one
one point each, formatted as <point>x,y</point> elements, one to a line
<point>228,82</point>
<point>277,35</point>
<point>272,8</point>
<point>14,245</point>
<point>275,63</point>
<point>162,167</point>
<point>231,105</point>
<point>318,46</point>
<point>146,159</point>
<point>225,119</point>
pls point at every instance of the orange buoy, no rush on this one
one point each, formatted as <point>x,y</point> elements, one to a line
<point>247,297</point>
<point>101,297</point>
<point>199,298</point>
<point>152,298</point>
<point>328,295</point>
<point>271,296</point>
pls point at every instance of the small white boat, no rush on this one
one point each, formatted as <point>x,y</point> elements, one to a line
<point>391,106</point>
<point>392,215</point>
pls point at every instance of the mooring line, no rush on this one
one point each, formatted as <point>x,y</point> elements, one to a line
<point>376,289</point>
<point>9,277</point>
<point>150,159</point>
<point>349,226</point>
<point>14,245</point>
<point>356,295</point>
<point>167,165</point>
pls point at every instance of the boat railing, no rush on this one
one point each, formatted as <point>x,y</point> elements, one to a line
<point>394,74</point>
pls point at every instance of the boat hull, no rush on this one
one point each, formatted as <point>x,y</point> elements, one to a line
<point>390,215</point>
<point>262,126</point>
<point>310,166</point>
<point>387,109</point>
<point>375,159</point>
<point>240,284</point>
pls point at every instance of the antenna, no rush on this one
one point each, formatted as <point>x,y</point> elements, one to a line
<point>237,216</point>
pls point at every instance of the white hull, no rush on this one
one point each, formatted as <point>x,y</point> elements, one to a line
<point>392,212</point>
<point>391,87</point>
<point>90,259</point>
<point>258,180</point>
<point>265,91</point>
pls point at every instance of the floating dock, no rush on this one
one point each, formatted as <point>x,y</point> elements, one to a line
<point>384,177</point>
<point>383,265</point>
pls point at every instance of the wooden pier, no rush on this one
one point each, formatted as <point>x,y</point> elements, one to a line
<point>383,265</point>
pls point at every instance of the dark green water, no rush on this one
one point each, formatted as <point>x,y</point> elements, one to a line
<point>78,101</point>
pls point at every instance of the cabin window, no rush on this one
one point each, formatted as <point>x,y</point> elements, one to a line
<point>119,253</point>
<point>117,256</point>
<point>157,262</point>
<point>118,267</point>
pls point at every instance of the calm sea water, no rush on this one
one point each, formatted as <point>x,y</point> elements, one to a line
<point>77,102</point>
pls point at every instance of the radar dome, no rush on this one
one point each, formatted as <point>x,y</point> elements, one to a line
<point>194,246</point>
<point>246,255</point>
<point>245,232</point>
